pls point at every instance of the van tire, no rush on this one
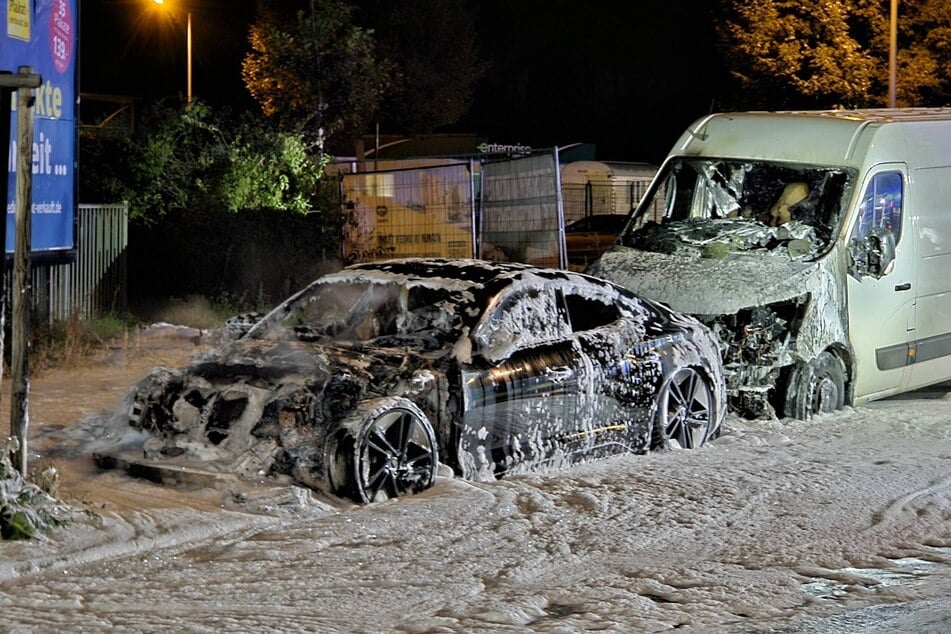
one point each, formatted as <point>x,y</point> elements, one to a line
<point>816,387</point>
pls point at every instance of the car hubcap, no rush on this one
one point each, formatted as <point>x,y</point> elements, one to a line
<point>397,456</point>
<point>688,410</point>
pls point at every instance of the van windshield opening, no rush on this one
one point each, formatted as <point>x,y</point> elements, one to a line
<point>728,208</point>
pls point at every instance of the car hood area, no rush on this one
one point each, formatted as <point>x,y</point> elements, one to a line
<point>260,408</point>
<point>690,284</point>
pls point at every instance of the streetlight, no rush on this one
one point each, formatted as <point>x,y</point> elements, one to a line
<point>188,44</point>
<point>892,53</point>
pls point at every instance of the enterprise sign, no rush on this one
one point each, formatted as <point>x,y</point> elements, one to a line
<point>500,148</point>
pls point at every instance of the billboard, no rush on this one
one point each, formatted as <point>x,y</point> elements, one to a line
<point>42,34</point>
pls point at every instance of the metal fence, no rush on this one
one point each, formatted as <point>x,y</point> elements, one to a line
<point>503,209</point>
<point>422,212</point>
<point>616,196</point>
<point>95,283</point>
<point>522,213</point>
<point>507,210</point>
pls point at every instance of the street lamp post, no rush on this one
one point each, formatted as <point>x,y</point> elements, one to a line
<point>893,54</point>
<point>188,45</point>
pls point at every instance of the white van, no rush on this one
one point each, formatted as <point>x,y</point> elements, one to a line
<point>817,245</point>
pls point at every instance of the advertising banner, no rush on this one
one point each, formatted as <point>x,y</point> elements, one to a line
<point>42,34</point>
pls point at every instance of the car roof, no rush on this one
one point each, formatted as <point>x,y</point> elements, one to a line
<point>476,276</point>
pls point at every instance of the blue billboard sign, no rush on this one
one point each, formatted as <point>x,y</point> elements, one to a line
<point>42,34</point>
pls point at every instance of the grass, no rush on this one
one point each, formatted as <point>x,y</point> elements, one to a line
<point>198,311</point>
<point>75,342</point>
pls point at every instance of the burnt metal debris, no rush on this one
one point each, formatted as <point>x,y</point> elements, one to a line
<point>735,244</point>
<point>363,382</point>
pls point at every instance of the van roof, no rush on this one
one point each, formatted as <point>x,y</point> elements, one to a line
<point>879,115</point>
<point>821,137</point>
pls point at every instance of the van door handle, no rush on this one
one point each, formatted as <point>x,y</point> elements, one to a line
<point>903,287</point>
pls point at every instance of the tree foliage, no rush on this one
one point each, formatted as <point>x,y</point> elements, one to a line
<point>271,169</point>
<point>432,45</point>
<point>192,157</point>
<point>315,70</point>
<point>834,53</point>
<point>408,64</point>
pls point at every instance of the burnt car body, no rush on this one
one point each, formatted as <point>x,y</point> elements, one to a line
<point>361,383</point>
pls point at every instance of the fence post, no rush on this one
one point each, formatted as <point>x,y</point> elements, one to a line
<point>473,216</point>
<point>560,203</point>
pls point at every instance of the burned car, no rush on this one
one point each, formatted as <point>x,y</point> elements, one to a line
<point>363,382</point>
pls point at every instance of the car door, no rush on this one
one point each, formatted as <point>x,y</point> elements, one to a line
<point>615,401</point>
<point>882,307</point>
<point>521,389</point>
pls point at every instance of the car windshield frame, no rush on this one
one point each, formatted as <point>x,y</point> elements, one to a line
<point>729,207</point>
<point>361,311</point>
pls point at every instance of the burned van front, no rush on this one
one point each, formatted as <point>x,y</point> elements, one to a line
<point>747,247</point>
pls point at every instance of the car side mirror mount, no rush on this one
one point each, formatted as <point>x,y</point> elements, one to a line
<point>873,255</point>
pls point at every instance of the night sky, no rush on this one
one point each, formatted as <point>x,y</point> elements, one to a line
<point>626,77</point>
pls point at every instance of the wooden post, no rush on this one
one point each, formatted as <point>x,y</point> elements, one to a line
<point>6,94</point>
<point>22,293</point>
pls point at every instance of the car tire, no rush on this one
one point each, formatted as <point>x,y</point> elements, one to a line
<point>817,387</point>
<point>685,411</point>
<point>384,450</point>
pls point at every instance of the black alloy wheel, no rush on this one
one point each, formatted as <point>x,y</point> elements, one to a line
<point>684,411</point>
<point>395,453</point>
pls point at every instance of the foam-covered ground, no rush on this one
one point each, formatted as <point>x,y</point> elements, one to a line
<point>840,524</point>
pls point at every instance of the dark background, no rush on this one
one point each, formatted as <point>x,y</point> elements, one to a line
<point>627,77</point>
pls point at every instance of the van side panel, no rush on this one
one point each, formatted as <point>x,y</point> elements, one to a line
<point>932,340</point>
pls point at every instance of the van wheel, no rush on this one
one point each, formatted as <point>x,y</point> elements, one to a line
<point>817,387</point>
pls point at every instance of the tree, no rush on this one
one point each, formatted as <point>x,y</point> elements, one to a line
<point>314,70</point>
<point>410,64</point>
<point>198,158</point>
<point>436,64</point>
<point>834,53</point>
<point>924,52</point>
<point>270,168</point>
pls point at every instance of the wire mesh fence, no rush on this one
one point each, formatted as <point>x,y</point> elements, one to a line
<point>421,212</point>
<point>512,209</point>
